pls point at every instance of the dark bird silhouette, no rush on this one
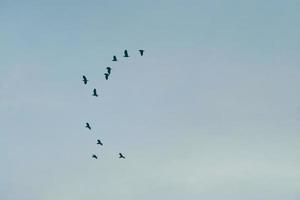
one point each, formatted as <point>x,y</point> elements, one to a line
<point>121,156</point>
<point>126,54</point>
<point>106,76</point>
<point>141,52</point>
<point>95,93</point>
<point>108,70</point>
<point>99,142</point>
<point>94,156</point>
<point>84,80</point>
<point>87,125</point>
<point>114,58</point>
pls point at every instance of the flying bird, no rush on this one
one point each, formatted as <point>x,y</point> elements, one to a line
<point>87,125</point>
<point>106,76</point>
<point>99,142</point>
<point>126,54</point>
<point>141,52</point>
<point>94,156</point>
<point>84,80</point>
<point>108,70</point>
<point>114,58</point>
<point>95,92</point>
<point>121,156</point>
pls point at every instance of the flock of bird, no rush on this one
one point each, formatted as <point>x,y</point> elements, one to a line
<point>95,94</point>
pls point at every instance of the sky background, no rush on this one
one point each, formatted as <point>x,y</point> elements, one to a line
<point>211,111</point>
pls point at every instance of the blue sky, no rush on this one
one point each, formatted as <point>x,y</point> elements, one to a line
<point>210,112</point>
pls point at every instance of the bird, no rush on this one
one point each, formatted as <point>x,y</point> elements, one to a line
<point>87,125</point>
<point>121,156</point>
<point>84,79</point>
<point>106,76</point>
<point>114,58</point>
<point>141,52</point>
<point>108,70</point>
<point>94,156</point>
<point>99,142</point>
<point>95,92</point>
<point>126,54</point>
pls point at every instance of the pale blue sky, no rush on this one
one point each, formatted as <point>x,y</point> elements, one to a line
<point>211,111</point>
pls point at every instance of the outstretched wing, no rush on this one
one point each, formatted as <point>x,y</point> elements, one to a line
<point>141,52</point>
<point>99,142</point>
<point>121,155</point>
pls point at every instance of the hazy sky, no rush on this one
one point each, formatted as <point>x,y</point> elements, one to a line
<point>212,111</point>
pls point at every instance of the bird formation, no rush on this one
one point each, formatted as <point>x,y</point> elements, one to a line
<point>95,94</point>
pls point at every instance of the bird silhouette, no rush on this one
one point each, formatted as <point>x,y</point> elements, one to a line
<point>94,156</point>
<point>126,54</point>
<point>106,76</point>
<point>141,52</point>
<point>95,92</point>
<point>84,80</point>
<point>99,142</point>
<point>121,156</point>
<point>108,70</point>
<point>87,125</point>
<point>114,58</point>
